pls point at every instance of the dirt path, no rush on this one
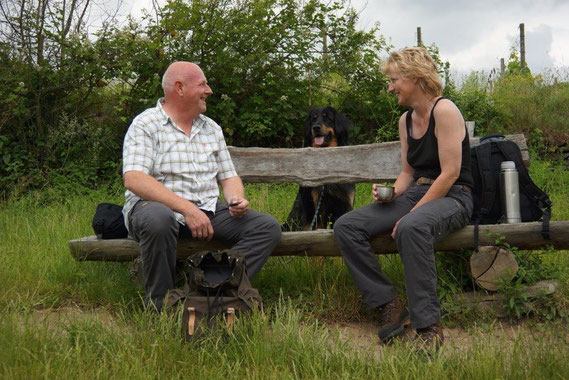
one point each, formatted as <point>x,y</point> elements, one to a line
<point>360,335</point>
<point>363,335</point>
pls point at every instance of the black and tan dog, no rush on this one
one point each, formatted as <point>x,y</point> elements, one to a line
<point>325,127</point>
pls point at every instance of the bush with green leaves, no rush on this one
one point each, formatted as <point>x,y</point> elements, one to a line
<point>268,62</point>
<point>518,102</point>
<point>474,99</point>
<point>54,112</point>
<point>534,107</point>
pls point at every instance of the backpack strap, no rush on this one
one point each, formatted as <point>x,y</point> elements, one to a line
<point>491,137</point>
<point>217,300</point>
<point>476,232</point>
<point>483,153</point>
<point>512,153</point>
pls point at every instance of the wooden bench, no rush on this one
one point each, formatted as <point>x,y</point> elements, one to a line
<point>315,166</point>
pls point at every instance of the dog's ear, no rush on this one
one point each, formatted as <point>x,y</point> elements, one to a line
<point>308,129</point>
<point>342,128</point>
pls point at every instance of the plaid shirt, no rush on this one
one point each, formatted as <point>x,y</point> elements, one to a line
<point>187,165</point>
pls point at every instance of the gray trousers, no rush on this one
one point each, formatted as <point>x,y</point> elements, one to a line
<point>155,227</point>
<point>416,235</point>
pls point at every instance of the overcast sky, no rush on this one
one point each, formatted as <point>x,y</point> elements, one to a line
<point>470,34</point>
<point>475,34</point>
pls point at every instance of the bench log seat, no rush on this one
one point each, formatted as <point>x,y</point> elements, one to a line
<point>526,236</point>
<point>315,166</point>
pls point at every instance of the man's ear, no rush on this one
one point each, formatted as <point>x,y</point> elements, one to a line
<point>179,87</point>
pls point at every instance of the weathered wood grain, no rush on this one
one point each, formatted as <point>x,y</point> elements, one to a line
<point>492,264</point>
<point>526,236</point>
<point>484,302</point>
<point>315,166</point>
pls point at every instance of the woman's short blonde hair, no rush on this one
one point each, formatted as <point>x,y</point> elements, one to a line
<point>415,62</point>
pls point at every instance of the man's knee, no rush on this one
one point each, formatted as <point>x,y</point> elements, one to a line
<point>156,219</point>
<point>272,228</point>
<point>343,225</point>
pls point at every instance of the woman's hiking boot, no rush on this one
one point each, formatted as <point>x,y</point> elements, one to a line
<point>429,339</point>
<point>393,318</point>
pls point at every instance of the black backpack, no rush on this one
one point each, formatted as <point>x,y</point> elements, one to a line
<point>108,222</point>
<point>217,287</point>
<point>486,157</point>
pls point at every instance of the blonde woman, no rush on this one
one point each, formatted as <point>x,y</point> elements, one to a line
<point>432,198</point>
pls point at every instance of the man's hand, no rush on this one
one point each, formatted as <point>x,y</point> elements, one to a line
<point>234,194</point>
<point>198,223</point>
<point>395,229</point>
<point>238,207</point>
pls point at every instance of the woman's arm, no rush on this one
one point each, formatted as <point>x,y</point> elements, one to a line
<point>405,177</point>
<point>450,130</point>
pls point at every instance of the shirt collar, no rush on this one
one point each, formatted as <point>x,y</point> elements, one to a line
<point>163,115</point>
<point>198,123</point>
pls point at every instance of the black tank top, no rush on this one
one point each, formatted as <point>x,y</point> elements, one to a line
<point>423,153</point>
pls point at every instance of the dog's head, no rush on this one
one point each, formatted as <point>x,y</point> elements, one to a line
<point>326,126</point>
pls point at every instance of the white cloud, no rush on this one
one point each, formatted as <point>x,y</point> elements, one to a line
<point>560,48</point>
<point>470,34</point>
<point>474,35</point>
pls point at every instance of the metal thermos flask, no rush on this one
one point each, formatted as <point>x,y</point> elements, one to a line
<point>510,192</point>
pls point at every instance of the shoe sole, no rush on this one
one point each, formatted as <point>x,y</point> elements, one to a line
<point>387,333</point>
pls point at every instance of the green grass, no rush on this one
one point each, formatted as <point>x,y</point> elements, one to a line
<point>286,345</point>
<point>62,318</point>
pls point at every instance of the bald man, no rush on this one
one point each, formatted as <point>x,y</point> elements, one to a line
<point>174,158</point>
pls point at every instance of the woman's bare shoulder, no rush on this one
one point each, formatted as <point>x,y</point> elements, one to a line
<point>445,105</point>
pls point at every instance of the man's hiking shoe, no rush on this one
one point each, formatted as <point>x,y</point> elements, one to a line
<point>393,318</point>
<point>429,339</point>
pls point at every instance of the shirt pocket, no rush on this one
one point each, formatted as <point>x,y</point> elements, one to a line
<point>206,157</point>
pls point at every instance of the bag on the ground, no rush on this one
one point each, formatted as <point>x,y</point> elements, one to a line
<point>108,222</point>
<point>217,290</point>
<point>486,157</point>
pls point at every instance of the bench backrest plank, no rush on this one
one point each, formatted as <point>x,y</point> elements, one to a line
<point>316,166</point>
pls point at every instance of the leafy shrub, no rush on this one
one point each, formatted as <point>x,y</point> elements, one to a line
<point>71,159</point>
<point>265,60</point>
<point>538,109</point>
<point>68,97</point>
<point>475,101</point>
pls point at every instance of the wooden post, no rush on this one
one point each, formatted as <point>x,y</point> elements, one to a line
<point>491,80</point>
<point>502,67</point>
<point>494,302</point>
<point>419,39</point>
<point>522,47</point>
<point>492,264</point>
